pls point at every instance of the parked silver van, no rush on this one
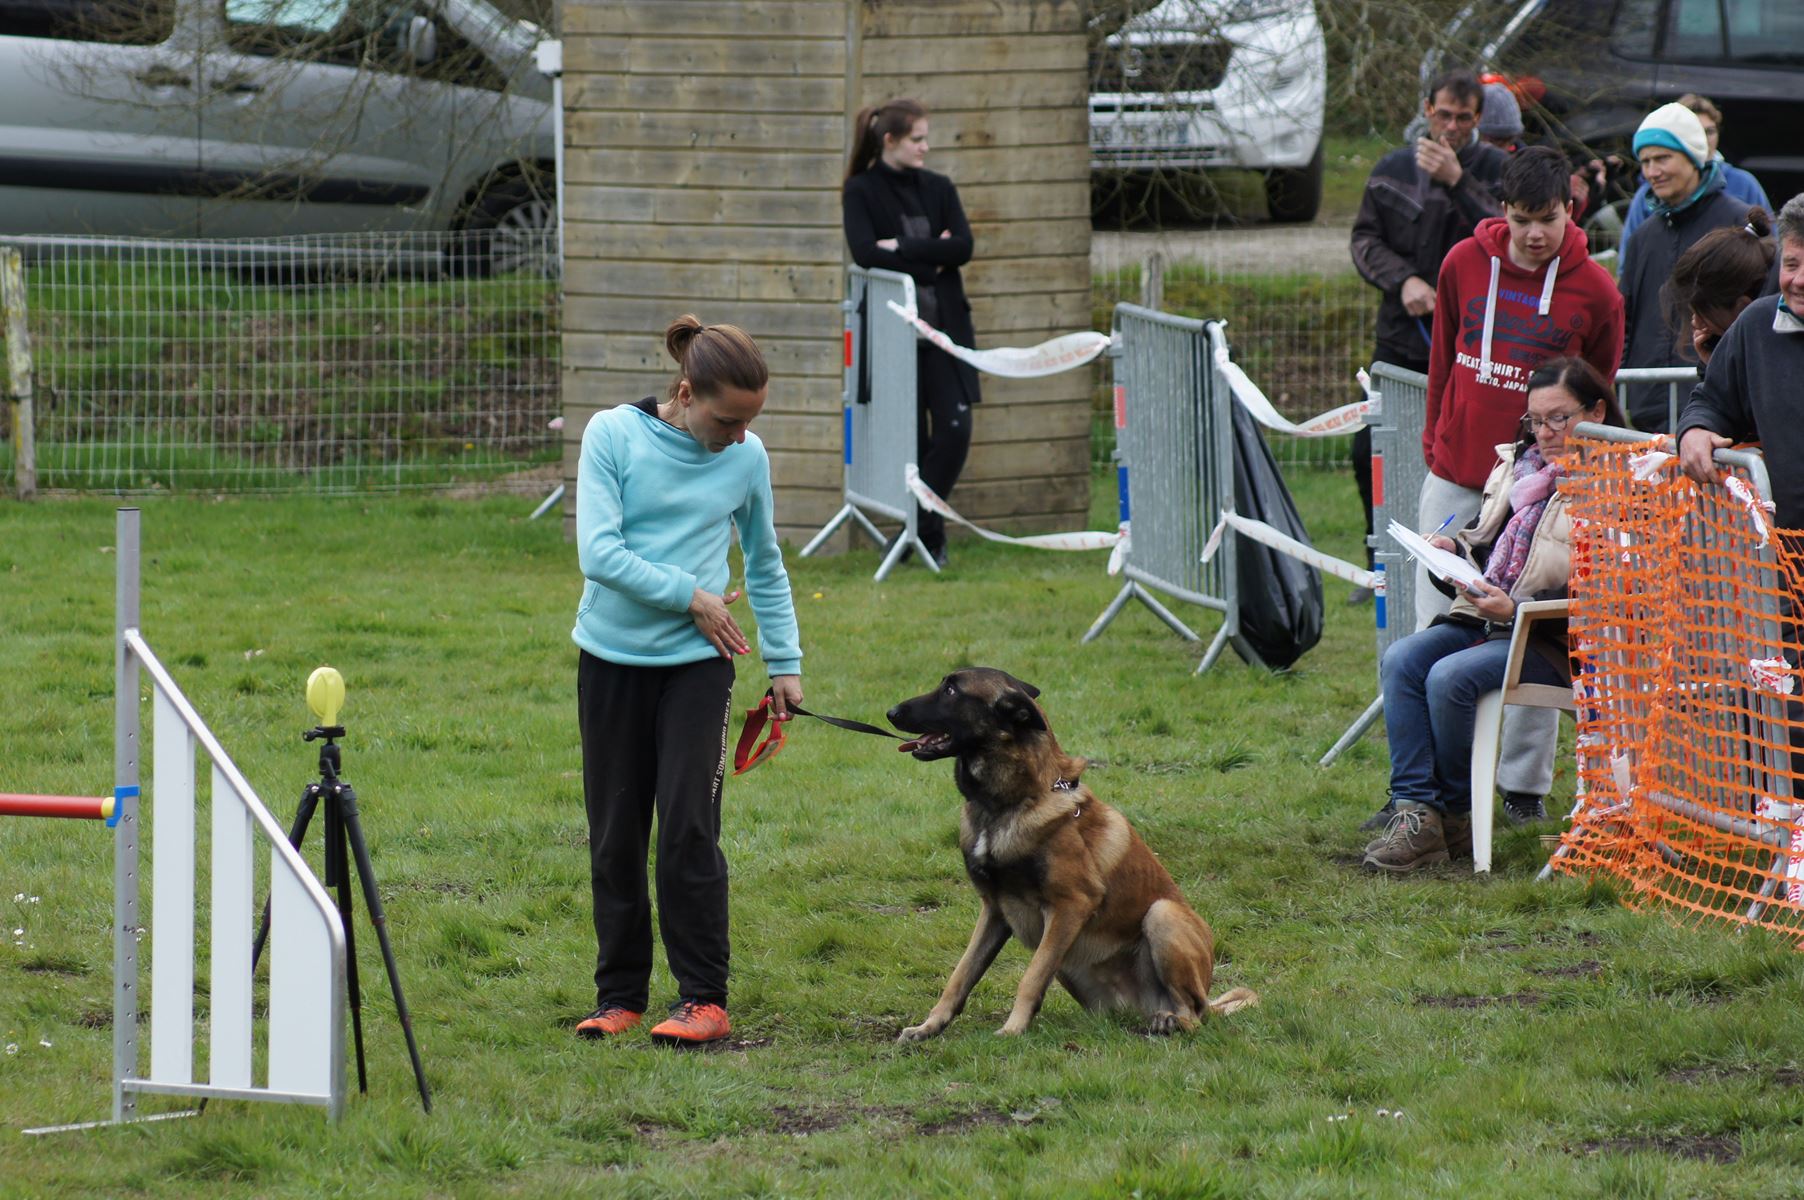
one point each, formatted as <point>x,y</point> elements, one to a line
<point>257,118</point>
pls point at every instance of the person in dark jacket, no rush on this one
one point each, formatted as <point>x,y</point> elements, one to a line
<point>1749,391</point>
<point>899,216</point>
<point>1421,201</point>
<point>1688,202</point>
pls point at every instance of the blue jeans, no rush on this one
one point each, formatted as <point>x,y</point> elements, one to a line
<point>1431,683</point>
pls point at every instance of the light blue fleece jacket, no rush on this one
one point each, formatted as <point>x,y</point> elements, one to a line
<point>654,511</point>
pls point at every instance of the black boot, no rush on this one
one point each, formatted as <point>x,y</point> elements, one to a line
<point>1379,819</point>
<point>1522,808</point>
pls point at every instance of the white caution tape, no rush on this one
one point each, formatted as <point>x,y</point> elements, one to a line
<point>1649,463</point>
<point>1260,532</point>
<point>1757,508</point>
<point>1072,350</point>
<point>1048,358</point>
<point>1345,419</point>
<point>1087,540</point>
<point>1622,775</point>
<point>1773,675</point>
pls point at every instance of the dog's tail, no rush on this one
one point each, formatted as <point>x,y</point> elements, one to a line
<point>1233,1001</point>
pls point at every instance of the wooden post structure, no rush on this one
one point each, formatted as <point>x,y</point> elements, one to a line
<point>705,147</point>
<point>18,372</point>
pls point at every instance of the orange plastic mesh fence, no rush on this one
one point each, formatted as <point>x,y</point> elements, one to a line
<point>1688,700</point>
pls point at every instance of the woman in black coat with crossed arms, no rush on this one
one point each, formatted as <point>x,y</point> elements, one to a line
<point>902,217</point>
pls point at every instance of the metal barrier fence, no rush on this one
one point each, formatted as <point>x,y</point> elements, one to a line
<point>326,364</point>
<point>1175,473</point>
<point>1397,476</point>
<point>1688,743</point>
<point>881,414</point>
<point>304,1023</point>
<point>1303,319</point>
<point>1678,380</point>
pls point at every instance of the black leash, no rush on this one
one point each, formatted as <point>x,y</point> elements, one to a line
<point>750,752</point>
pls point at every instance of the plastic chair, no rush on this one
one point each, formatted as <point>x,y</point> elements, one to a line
<point>1487,729</point>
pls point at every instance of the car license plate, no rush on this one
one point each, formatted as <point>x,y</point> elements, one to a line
<point>1166,131</point>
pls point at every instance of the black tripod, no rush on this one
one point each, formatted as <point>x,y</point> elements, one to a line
<point>344,830</point>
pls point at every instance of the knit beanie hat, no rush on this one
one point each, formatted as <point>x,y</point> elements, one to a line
<point>1502,116</point>
<point>1677,128</point>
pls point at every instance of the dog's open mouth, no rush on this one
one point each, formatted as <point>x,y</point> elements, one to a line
<point>928,745</point>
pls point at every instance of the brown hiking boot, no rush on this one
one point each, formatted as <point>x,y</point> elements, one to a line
<point>607,1021</point>
<point>1457,832</point>
<point>1413,839</point>
<point>692,1024</point>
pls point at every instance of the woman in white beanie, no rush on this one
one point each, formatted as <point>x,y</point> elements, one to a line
<point>1687,202</point>
<point>1737,182</point>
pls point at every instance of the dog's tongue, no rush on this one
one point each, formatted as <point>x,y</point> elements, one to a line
<point>914,744</point>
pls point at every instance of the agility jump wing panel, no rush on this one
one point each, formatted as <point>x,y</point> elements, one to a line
<point>306,950</point>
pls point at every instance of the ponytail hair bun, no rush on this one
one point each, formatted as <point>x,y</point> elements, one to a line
<point>679,334</point>
<point>714,357</point>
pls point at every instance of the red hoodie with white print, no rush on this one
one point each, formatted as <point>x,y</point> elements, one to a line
<point>1494,323</point>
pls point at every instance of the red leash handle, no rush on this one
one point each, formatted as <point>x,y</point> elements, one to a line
<point>750,752</point>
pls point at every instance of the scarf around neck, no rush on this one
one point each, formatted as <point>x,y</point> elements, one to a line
<point>1536,479</point>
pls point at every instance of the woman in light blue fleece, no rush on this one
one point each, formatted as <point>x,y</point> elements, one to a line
<point>659,488</point>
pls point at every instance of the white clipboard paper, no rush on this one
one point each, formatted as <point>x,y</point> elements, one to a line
<point>1438,561</point>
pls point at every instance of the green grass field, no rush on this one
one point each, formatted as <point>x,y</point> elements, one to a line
<point>1524,1039</point>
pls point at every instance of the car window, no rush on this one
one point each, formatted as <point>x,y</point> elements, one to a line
<point>121,22</point>
<point>365,34</point>
<point>1766,31</point>
<point>1694,31</point>
<point>1632,34</point>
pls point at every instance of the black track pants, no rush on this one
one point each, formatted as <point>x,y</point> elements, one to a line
<point>943,434</point>
<point>655,739</point>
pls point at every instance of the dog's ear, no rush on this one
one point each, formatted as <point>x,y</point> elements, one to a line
<point>1025,686</point>
<point>1019,711</point>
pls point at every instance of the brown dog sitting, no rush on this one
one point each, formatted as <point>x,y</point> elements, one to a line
<point>1057,868</point>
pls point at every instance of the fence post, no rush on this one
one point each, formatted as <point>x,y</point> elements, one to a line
<point>125,834</point>
<point>1152,281</point>
<point>18,372</point>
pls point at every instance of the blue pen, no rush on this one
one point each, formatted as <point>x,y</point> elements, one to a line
<point>1442,527</point>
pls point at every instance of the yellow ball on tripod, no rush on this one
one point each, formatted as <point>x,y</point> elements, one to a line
<point>326,694</point>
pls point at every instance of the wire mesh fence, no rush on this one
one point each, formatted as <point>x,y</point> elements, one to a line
<point>327,364</point>
<point>415,361</point>
<point>1299,318</point>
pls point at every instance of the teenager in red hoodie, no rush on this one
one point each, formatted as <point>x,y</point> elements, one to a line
<point>1520,291</point>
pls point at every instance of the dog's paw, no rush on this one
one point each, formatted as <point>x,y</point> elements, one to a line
<point>1012,1030</point>
<point>1165,1024</point>
<point>919,1033</point>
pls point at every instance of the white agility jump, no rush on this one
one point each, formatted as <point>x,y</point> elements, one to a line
<point>304,1029</point>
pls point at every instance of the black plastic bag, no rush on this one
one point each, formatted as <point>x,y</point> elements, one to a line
<point>1280,597</point>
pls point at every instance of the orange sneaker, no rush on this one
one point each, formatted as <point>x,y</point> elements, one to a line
<point>692,1024</point>
<point>606,1021</point>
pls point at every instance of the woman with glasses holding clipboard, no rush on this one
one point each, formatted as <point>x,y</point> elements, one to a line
<point>1432,680</point>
